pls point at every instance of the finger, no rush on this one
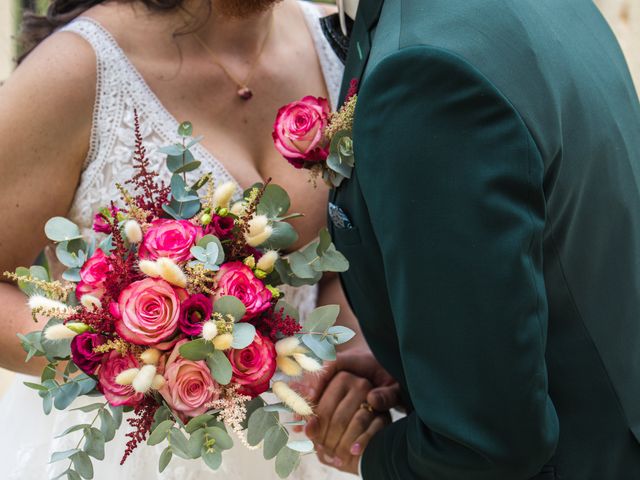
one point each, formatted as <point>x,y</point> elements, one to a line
<point>360,444</point>
<point>317,426</point>
<point>322,381</point>
<point>358,425</point>
<point>344,413</point>
<point>383,399</point>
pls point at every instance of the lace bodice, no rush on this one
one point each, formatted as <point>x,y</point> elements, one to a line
<point>120,90</point>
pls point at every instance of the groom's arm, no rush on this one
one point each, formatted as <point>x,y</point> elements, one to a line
<point>454,187</point>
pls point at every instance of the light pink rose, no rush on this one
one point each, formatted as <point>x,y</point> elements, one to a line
<point>171,239</point>
<point>111,365</point>
<point>93,274</point>
<point>298,132</point>
<point>237,280</point>
<point>189,388</point>
<point>148,311</point>
<point>253,366</point>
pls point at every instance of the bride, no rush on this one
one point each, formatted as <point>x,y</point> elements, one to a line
<point>66,136</point>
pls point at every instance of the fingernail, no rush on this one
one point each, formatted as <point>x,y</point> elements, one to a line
<point>337,462</point>
<point>329,459</point>
<point>356,449</point>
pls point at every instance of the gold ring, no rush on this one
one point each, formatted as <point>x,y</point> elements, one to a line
<point>367,407</point>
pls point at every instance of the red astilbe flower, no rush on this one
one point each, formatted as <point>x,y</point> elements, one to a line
<point>276,325</point>
<point>100,320</point>
<point>151,193</point>
<point>354,86</point>
<point>141,423</point>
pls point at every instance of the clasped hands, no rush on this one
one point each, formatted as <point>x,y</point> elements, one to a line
<point>353,396</point>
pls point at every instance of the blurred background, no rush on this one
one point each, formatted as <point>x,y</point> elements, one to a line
<point>623,15</point>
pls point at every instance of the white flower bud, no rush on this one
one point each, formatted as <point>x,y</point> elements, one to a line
<point>223,342</point>
<point>288,366</point>
<point>126,377</point>
<point>59,332</point>
<point>238,209</point>
<point>291,399</point>
<point>91,302</point>
<point>44,303</point>
<point>308,363</point>
<point>259,230</point>
<point>171,272</point>
<point>223,194</point>
<point>209,330</point>
<point>132,231</point>
<point>150,356</point>
<point>144,379</point>
<point>268,261</point>
<point>149,268</point>
<point>287,346</point>
<point>158,382</point>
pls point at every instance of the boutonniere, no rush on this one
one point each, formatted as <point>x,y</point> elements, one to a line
<point>310,136</point>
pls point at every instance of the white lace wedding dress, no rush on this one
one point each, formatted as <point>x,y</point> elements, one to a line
<point>26,434</point>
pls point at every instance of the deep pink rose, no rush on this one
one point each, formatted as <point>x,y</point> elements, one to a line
<point>298,132</point>
<point>93,274</point>
<point>194,311</point>
<point>171,239</point>
<point>238,280</point>
<point>118,395</point>
<point>147,312</point>
<point>189,388</point>
<point>82,351</point>
<point>221,227</point>
<point>253,366</point>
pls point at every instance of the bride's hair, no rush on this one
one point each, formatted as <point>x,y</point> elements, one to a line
<point>35,28</point>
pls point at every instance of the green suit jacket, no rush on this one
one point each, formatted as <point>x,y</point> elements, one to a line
<point>494,238</point>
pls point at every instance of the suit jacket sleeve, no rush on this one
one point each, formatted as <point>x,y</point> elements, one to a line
<point>453,183</point>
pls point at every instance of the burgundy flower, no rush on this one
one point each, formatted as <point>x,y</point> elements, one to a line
<point>82,351</point>
<point>194,311</point>
<point>221,227</point>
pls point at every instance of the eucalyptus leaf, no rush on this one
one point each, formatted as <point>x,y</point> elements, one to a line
<point>205,241</point>
<point>160,432</point>
<point>60,229</point>
<point>332,261</point>
<point>185,129</point>
<point>259,422</point>
<point>107,425</point>
<point>172,150</point>
<point>251,406</point>
<point>69,259</point>
<point>230,305</point>
<point>72,275</point>
<point>65,395</point>
<point>195,140</point>
<point>277,407</point>
<point>165,458</point>
<point>88,408</point>
<point>55,349</point>
<point>35,386</point>
<point>196,349</point>
<point>179,443</point>
<point>189,209</point>
<point>324,243</point>
<point>274,440</point>
<point>200,421</point>
<point>320,319</point>
<point>212,458</point>
<point>243,335</point>
<point>282,237</point>
<point>222,438</point>
<point>302,446</point>
<point>94,443</point>
<point>283,267</point>
<point>287,461</point>
<point>321,348</point>
<point>73,475</point>
<point>116,414</point>
<point>274,203</point>
<point>189,167</point>
<point>339,334</point>
<point>195,443</point>
<point>220,367</point>
<point>82,464</point>
<point>57,456</point>
<point>287,309</point>
<point>179,190</point>
<point>47,403</point>
<point>73,428</point>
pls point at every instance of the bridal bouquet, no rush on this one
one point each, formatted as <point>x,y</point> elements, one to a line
<point>176,316</point>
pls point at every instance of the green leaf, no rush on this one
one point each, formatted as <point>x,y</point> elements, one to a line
<point>277,407</point>
<point>94,443</point>
<point>339,334</point>
<point>286,462</point>
<point>69,259</point>
<point>220,367</point>
<point>82,464</point>
<point>185,129</point>
<point>116,413</point>
<point>332,261</point>
<point>321,348</point>
<point>177,162</point>
<point>282,237</point>
<point>71,275</point>
<point>179,443</point>
<point>47,404</point>
<point>179,190</point>
<point>212,458</point>
<point>88,408</point>
<point>259,422</point>
<point>73,475</point>
<point>165,458</point>
<point>65,395</point>
<point>72,429</point>
<point>107,425</point>
<point>195,140</point>
<point>283,267</point>
<point>60,229</point>
<point>222,438</point>
<point>251,406</point>
<point>274,203</point>
<point>287,309</point>
<point>200,421</point>
<point>57,456</point>
<point>189,167</point>
<point>196,349</point>
<point>320,319</point>
<point>230,305</point>
<point>274,440</point>
<point>205,241</point>
<point>55,349</point>
<point>160,432</point>
<point>243,335</point>
<point>302,262</point>
<point>195,443</point>
<point>36,386</point>
<point>172,150</point>
<point>324,243</point>
<point>302,446</point>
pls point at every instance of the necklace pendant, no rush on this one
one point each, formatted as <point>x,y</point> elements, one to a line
<point>245,93</point>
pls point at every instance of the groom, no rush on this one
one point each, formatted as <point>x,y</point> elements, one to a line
<point>492,222</point>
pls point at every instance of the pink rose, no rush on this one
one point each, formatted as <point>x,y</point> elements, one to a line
<point>253,366</point>
<point>171,239</point>
<point>298,132</point>
<point>112,365</point>
<point>238,280</point>
<point>93,275</point>
<point>189,388</point>
<point>148,311</point>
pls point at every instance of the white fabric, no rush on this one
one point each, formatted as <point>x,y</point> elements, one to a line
<point>26,438</point>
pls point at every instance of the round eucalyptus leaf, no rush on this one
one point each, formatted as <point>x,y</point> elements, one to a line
<point>274,440</point>
<point>60,229</point>
<point>287,461</point>
<point>243,335</point>
<point>185,129</point>
<point>229,305</point>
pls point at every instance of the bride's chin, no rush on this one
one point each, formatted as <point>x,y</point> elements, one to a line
<point>242,8</point>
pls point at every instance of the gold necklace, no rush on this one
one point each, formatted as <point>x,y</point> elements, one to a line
<point>244,91</point>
